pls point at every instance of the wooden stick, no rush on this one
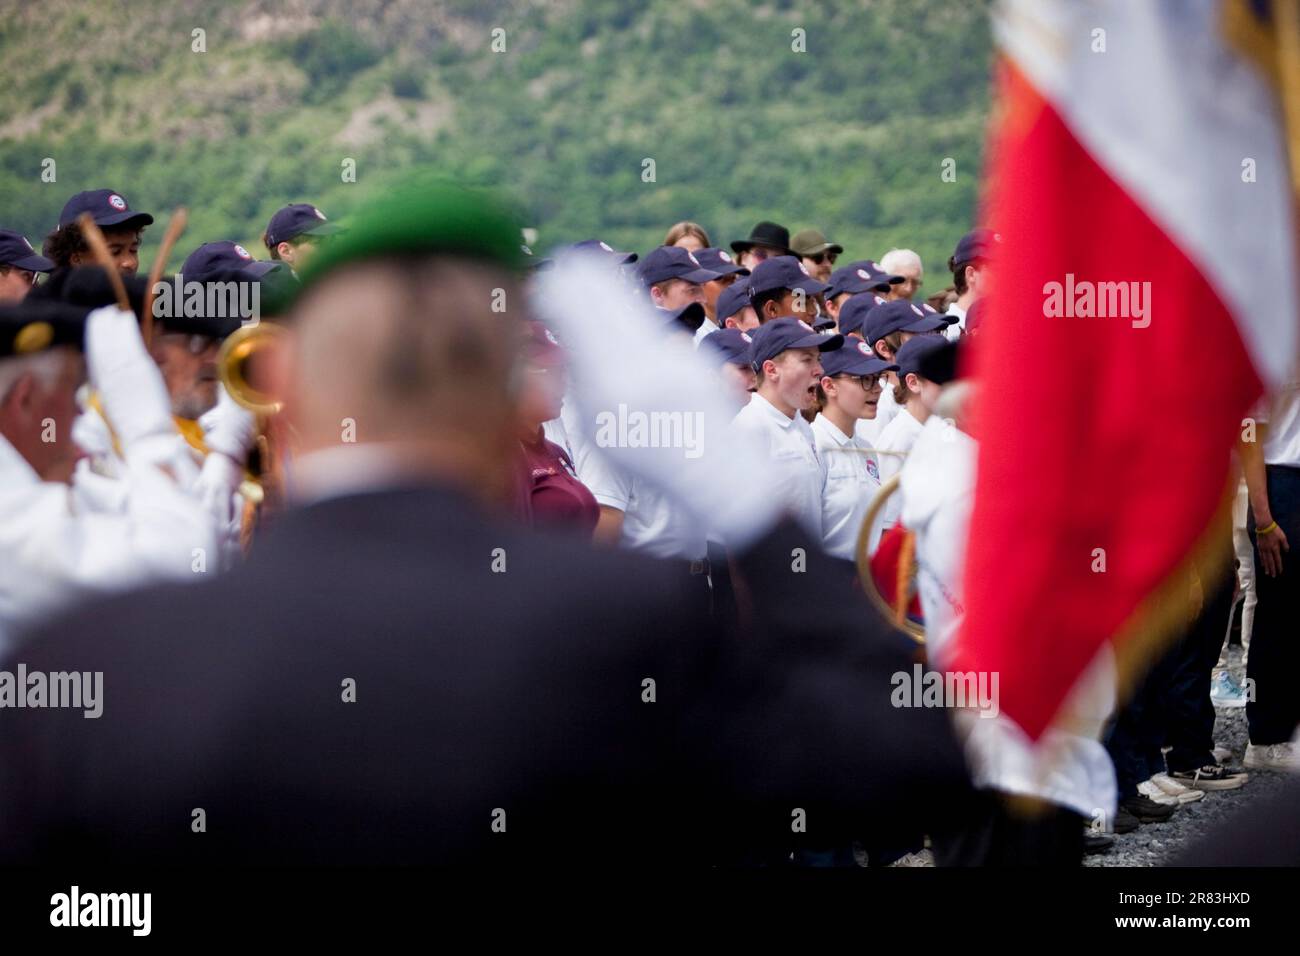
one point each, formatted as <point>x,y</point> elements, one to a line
<point>174,229</point>
<point>99,248</point>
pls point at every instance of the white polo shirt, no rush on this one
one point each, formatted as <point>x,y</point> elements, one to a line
<point>707,327</point>
<point>893,446</point>
<point>1282,439</point>
<point>869,429</point>
<point>653,523</point>
<point>852,480</point>
<point>791,449</point>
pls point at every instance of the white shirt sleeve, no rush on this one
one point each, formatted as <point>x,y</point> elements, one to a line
<point>56,543</point>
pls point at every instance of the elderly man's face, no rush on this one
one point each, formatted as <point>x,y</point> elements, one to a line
<point>37,412</point>
<point>189,368</point>
<point>913,276</point>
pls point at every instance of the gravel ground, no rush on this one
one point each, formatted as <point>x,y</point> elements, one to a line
<point>1155,844</point>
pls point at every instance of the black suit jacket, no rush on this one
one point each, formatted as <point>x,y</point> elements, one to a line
<point>499,715</point>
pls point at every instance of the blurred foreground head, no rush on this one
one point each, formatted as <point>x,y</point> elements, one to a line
<point>407,337</point>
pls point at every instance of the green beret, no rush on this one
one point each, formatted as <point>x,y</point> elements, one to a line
<point>436,217</point>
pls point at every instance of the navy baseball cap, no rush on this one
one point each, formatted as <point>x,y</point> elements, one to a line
<point>223,256</point>
<point>916,354</point>
<point>604,249</point>
<point>298,219</point>
<point>719,261</point>
<point>106,206</point>
<point>673,262</point>
<point>853,278</point>
<point>775,337</point>
<point>732,299</point>
<point>726,347</point>
<point>944,364</point>
<point>689,317</point>
<point>853,313</point>
<point>976,244</point>
<point>16,251</point>
<point>855,357</point>
<point>784,272</point>
<point>901,315</point>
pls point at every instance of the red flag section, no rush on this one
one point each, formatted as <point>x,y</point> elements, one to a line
<point>1104,438</point>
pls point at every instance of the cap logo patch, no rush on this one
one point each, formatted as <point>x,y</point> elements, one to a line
<point>33,337</point>
<point>319,214</point>
<point>28,245</point>
<point>117,202</point>
<point>865,349</point>
<point>550,337</point>
<point>864,274</point>
<point>241,252</point>
<point>875,266</point>
<point>745,336</point>
<point>607,247</point>
<point>803,268</point>
<point>807,326</point>
<point>917,311</point>
<point>691,256</point>
<point>723,255</point>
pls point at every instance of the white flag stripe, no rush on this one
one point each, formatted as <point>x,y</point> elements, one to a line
<point>1171,111</point>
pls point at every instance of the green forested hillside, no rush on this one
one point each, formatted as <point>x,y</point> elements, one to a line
<point>849,136</point>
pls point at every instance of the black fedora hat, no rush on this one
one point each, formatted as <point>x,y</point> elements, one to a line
<point>765,234</point>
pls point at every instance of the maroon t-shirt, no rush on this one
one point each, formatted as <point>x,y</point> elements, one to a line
<point>558,498</point>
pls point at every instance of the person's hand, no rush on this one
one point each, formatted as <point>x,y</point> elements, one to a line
<point>1270,547</point>
<point>232,429</point>
<point>128,381</point>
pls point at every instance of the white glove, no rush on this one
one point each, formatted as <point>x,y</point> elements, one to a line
<point>229,429</point>
<point>126,377</point>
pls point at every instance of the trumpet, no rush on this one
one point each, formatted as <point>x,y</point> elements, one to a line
<point>236,365</point>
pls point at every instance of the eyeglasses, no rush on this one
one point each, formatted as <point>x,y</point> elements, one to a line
<point>868,382</point>
<point>26,275</point>
<point>827,256</point>
<point>194,344</point>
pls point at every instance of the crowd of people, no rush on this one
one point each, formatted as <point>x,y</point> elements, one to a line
<point>124,460</point>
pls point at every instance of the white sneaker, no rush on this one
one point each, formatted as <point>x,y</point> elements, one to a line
<point>1173,788</point>
<point>1152,792</point>
<point>1222,754</point>
<point>1226,692</point>
<point>1272,757</point>
<point>919,858</point>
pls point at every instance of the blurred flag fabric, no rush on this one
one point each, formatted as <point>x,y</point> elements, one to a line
<point>1142,144</point>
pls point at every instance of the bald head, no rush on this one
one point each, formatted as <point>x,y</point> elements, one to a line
<point>408,353</point>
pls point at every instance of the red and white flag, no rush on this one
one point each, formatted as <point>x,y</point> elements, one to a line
<point>1144,298</point>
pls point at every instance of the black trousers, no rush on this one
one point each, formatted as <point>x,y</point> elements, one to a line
<point>1275,640</point>
<point>990,833</point>
<point>1189,720</point>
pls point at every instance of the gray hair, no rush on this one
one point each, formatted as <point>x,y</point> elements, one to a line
<point>896,259</point>
<point>45,365</point>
